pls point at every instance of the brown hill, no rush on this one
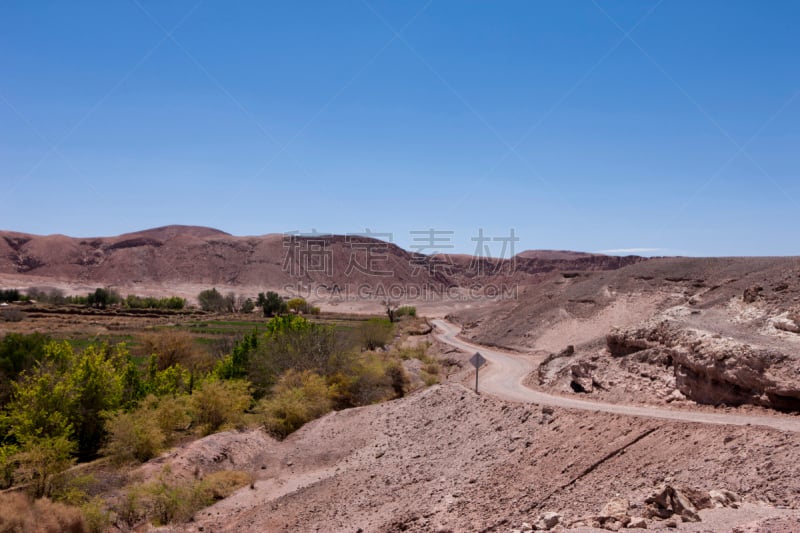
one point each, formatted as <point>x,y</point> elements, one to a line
<point>179,259</point>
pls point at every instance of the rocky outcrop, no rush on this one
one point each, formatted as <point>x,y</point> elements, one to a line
<point>663,508</point>
<point>751,294</point>
<point>582,380</point>
<point>713,369</point>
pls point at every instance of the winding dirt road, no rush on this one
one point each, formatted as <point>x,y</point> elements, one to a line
<point>505,374</point>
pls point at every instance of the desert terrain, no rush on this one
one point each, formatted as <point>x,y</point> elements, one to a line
<point>618,393</point>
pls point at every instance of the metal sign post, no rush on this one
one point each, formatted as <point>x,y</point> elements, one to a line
<point>477,361</point>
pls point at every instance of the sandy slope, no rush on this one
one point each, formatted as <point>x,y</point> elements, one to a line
<point>445,459</point>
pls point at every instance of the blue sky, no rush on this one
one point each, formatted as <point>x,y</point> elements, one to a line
<point>664,127</point>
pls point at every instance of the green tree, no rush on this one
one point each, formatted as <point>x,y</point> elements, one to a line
<point>97,388</point>
<point>292,342</point>
<point>375,333</point>
<point>248,306</point>
<point>66,394</point>
<point>102,298</point>
<point>297,305</point>
<point>213,300</point>
<point>18,353</point>
<point>272,303</point>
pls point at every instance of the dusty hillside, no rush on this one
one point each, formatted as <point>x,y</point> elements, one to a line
<point>445,459</point>
<point>712,331</point>
<point>585,305</point>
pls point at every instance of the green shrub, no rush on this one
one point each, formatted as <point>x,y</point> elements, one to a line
<point>406,310</point>
<point>96,516</point>
<point>271,303</point>
<point>149,302</point>
<point>102,298</point>
<point>213,300</point>
<point>375,333</point>
<point>41,460</point>
<point>220,403</point>
<point>167,501</point>
<point>299,397</point>
<point>134,436</point>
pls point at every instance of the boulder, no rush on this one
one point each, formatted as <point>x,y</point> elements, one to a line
<point>547,521</point>
<point>616,509</point>
<point>668,501</point>
<point>751,293</point>
<point>724,498</point>
<point>582,377</point>
<point>637,522</point>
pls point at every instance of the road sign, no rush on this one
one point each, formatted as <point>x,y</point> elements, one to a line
<point>477,361</point>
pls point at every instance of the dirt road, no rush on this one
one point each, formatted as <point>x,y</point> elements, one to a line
<point>504,374</point>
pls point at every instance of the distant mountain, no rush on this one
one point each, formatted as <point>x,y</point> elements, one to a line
<point>206,256</point>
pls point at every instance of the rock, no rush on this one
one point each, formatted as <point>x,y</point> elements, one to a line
<point>526,527</point>
<point>724,498</point>
<point>582,376</point>
<point>675,396</point>
<point>637,522</point>
<point>786,324</point>
<point>699,498</point>
<point>547,521</point>
<point>583,385</point>
<point>668,501</point>
<point>714,369</point>
<point>616,509</point>
<point>751,293</point>
<point>682,506</point>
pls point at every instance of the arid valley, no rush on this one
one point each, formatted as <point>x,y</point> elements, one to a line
<point>618,393</point>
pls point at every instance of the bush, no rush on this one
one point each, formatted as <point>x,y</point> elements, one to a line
<point>375,333</point>
<point>376,379</point>
<point>248,306</point>
<point>9,295</point>
<point>173,414</point>
<point>102,298</point>
<point>271,303</point>
<point>299,397</point>
<point>139,302</point>
<point>12,315</point>
<point>47,295</point>
<point>41,460</point>
<point>292,342</point>
<point>213,300</point>
<point>297,305</point>
<point>175,348</point>
<point>18,352</point>
<point>134,436</point>
<point>166,501</point>
<point>96,516</point>
<point>220,403</point>
<point>20,514</point>
<point>8,463</point>
<point>406,310</point>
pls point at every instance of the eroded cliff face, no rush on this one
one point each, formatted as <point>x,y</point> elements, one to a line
<point>713,369</point>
